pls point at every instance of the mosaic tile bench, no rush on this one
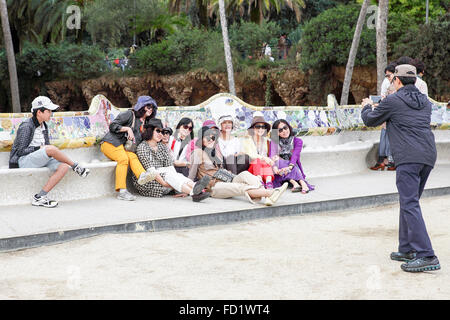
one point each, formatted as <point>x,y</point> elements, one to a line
<point>336,141</point>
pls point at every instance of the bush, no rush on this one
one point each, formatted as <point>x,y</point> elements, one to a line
<point>61,61</point>
<point>326,39</point>
<point>179,52</point>
<point>248,37</point>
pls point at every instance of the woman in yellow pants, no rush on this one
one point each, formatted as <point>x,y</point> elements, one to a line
<point>128,126</point>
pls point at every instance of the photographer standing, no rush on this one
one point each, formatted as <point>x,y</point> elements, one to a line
<point>408,115</point>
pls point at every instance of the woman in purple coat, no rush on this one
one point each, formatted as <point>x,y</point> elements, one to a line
<point>285,151</point>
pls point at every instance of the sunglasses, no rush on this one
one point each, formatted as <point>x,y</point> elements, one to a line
<point>211,138</point>
<point>259,126</point>
<point>158,130</point>
<point>282,129</point>
<point>165,132</point>
<point>187,127</point>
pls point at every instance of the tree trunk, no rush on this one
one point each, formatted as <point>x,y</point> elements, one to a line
<point>353,51</point>
<point>13,81</point>
<point>383,7</point>
<point>226,46</point>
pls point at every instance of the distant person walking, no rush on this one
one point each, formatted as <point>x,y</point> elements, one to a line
<point>407,114</point>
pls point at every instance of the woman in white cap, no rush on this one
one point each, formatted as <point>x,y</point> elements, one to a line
<point>230,146</point>
<point>128,125</point>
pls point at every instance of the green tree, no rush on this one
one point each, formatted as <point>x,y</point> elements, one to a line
<point>430,44</point>
<point>13,80</point>
<point>327,38</point>
<point>257,10</point>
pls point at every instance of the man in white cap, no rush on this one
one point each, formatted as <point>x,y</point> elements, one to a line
<point>32,149</point>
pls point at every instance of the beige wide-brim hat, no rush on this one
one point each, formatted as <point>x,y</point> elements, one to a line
<point>259,119</point>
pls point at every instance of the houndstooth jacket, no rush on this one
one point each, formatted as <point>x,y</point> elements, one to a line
<point>148,159</point>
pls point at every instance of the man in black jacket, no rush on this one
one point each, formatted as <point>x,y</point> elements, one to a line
<point>32,149</point>
<point>408,115</point>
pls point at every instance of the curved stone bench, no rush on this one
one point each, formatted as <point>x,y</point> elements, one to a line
<point>335,143</point>
<point>19,185</point>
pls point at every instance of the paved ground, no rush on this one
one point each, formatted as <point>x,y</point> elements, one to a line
<point>333,255</point>
<point>25,220</point>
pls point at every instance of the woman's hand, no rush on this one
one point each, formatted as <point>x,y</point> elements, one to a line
<point>269,161</point>
<point>180,195</point>
<point>130,134</point>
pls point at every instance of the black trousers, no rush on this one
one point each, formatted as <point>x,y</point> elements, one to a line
<point>413,235</point>
<point>237,164</point>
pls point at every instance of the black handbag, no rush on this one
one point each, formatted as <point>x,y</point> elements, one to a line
<point>224,175</point>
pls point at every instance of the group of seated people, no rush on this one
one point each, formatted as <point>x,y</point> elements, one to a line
<point>214,163</point>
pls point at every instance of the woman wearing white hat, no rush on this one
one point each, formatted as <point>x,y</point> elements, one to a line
<point>230,147</point>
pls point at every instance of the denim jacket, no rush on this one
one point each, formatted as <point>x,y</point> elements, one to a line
<point>25,134</point>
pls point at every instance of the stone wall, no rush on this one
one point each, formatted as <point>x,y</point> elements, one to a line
<point>288,87</point>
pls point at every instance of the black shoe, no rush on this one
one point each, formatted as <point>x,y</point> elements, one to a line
<point>422,264</point>
<point>201,196</point>
<point>400,256</point>
<point>200,185</point>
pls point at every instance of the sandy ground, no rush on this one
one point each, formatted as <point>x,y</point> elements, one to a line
<point>334,255</point>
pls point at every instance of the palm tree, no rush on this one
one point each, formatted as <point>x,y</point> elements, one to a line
<point>353,51</point>
<point>383,8</point>
<point>39,21</point>
<point>13,81</point>
<point>226,45</point>
<point>257,9</point>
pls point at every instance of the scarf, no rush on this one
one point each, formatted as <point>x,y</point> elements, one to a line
<point>212,154</point>
<point>286,146</point>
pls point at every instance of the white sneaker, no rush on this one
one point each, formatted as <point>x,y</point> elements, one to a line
<point>276,195</point>
<point>147,176</point>
<point>43,201</point>
<point>82,172</point>
<point>126,195</point>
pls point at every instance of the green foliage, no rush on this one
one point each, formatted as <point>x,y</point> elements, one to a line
<point>416,9</point>
<point>179,52</point>
<point>327,39</point>
<point>113,22</point>
<point>56,61</point>
<point>430,44</point>
<point>248,37</point>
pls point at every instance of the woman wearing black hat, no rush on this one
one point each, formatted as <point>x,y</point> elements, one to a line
<point>153,153</point>
<point>206,160</point>
<point>256,146</point>
<point>127,126</point>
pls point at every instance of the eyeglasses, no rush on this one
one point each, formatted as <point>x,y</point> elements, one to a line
<point>211,138</point>
<point>259,126</point>
<point>388,75</point>
<point>187,127</point>
<point>282,129</point>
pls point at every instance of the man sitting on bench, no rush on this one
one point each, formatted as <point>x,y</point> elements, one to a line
<point>32,149</point>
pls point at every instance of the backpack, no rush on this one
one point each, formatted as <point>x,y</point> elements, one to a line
<point>288,42</point>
